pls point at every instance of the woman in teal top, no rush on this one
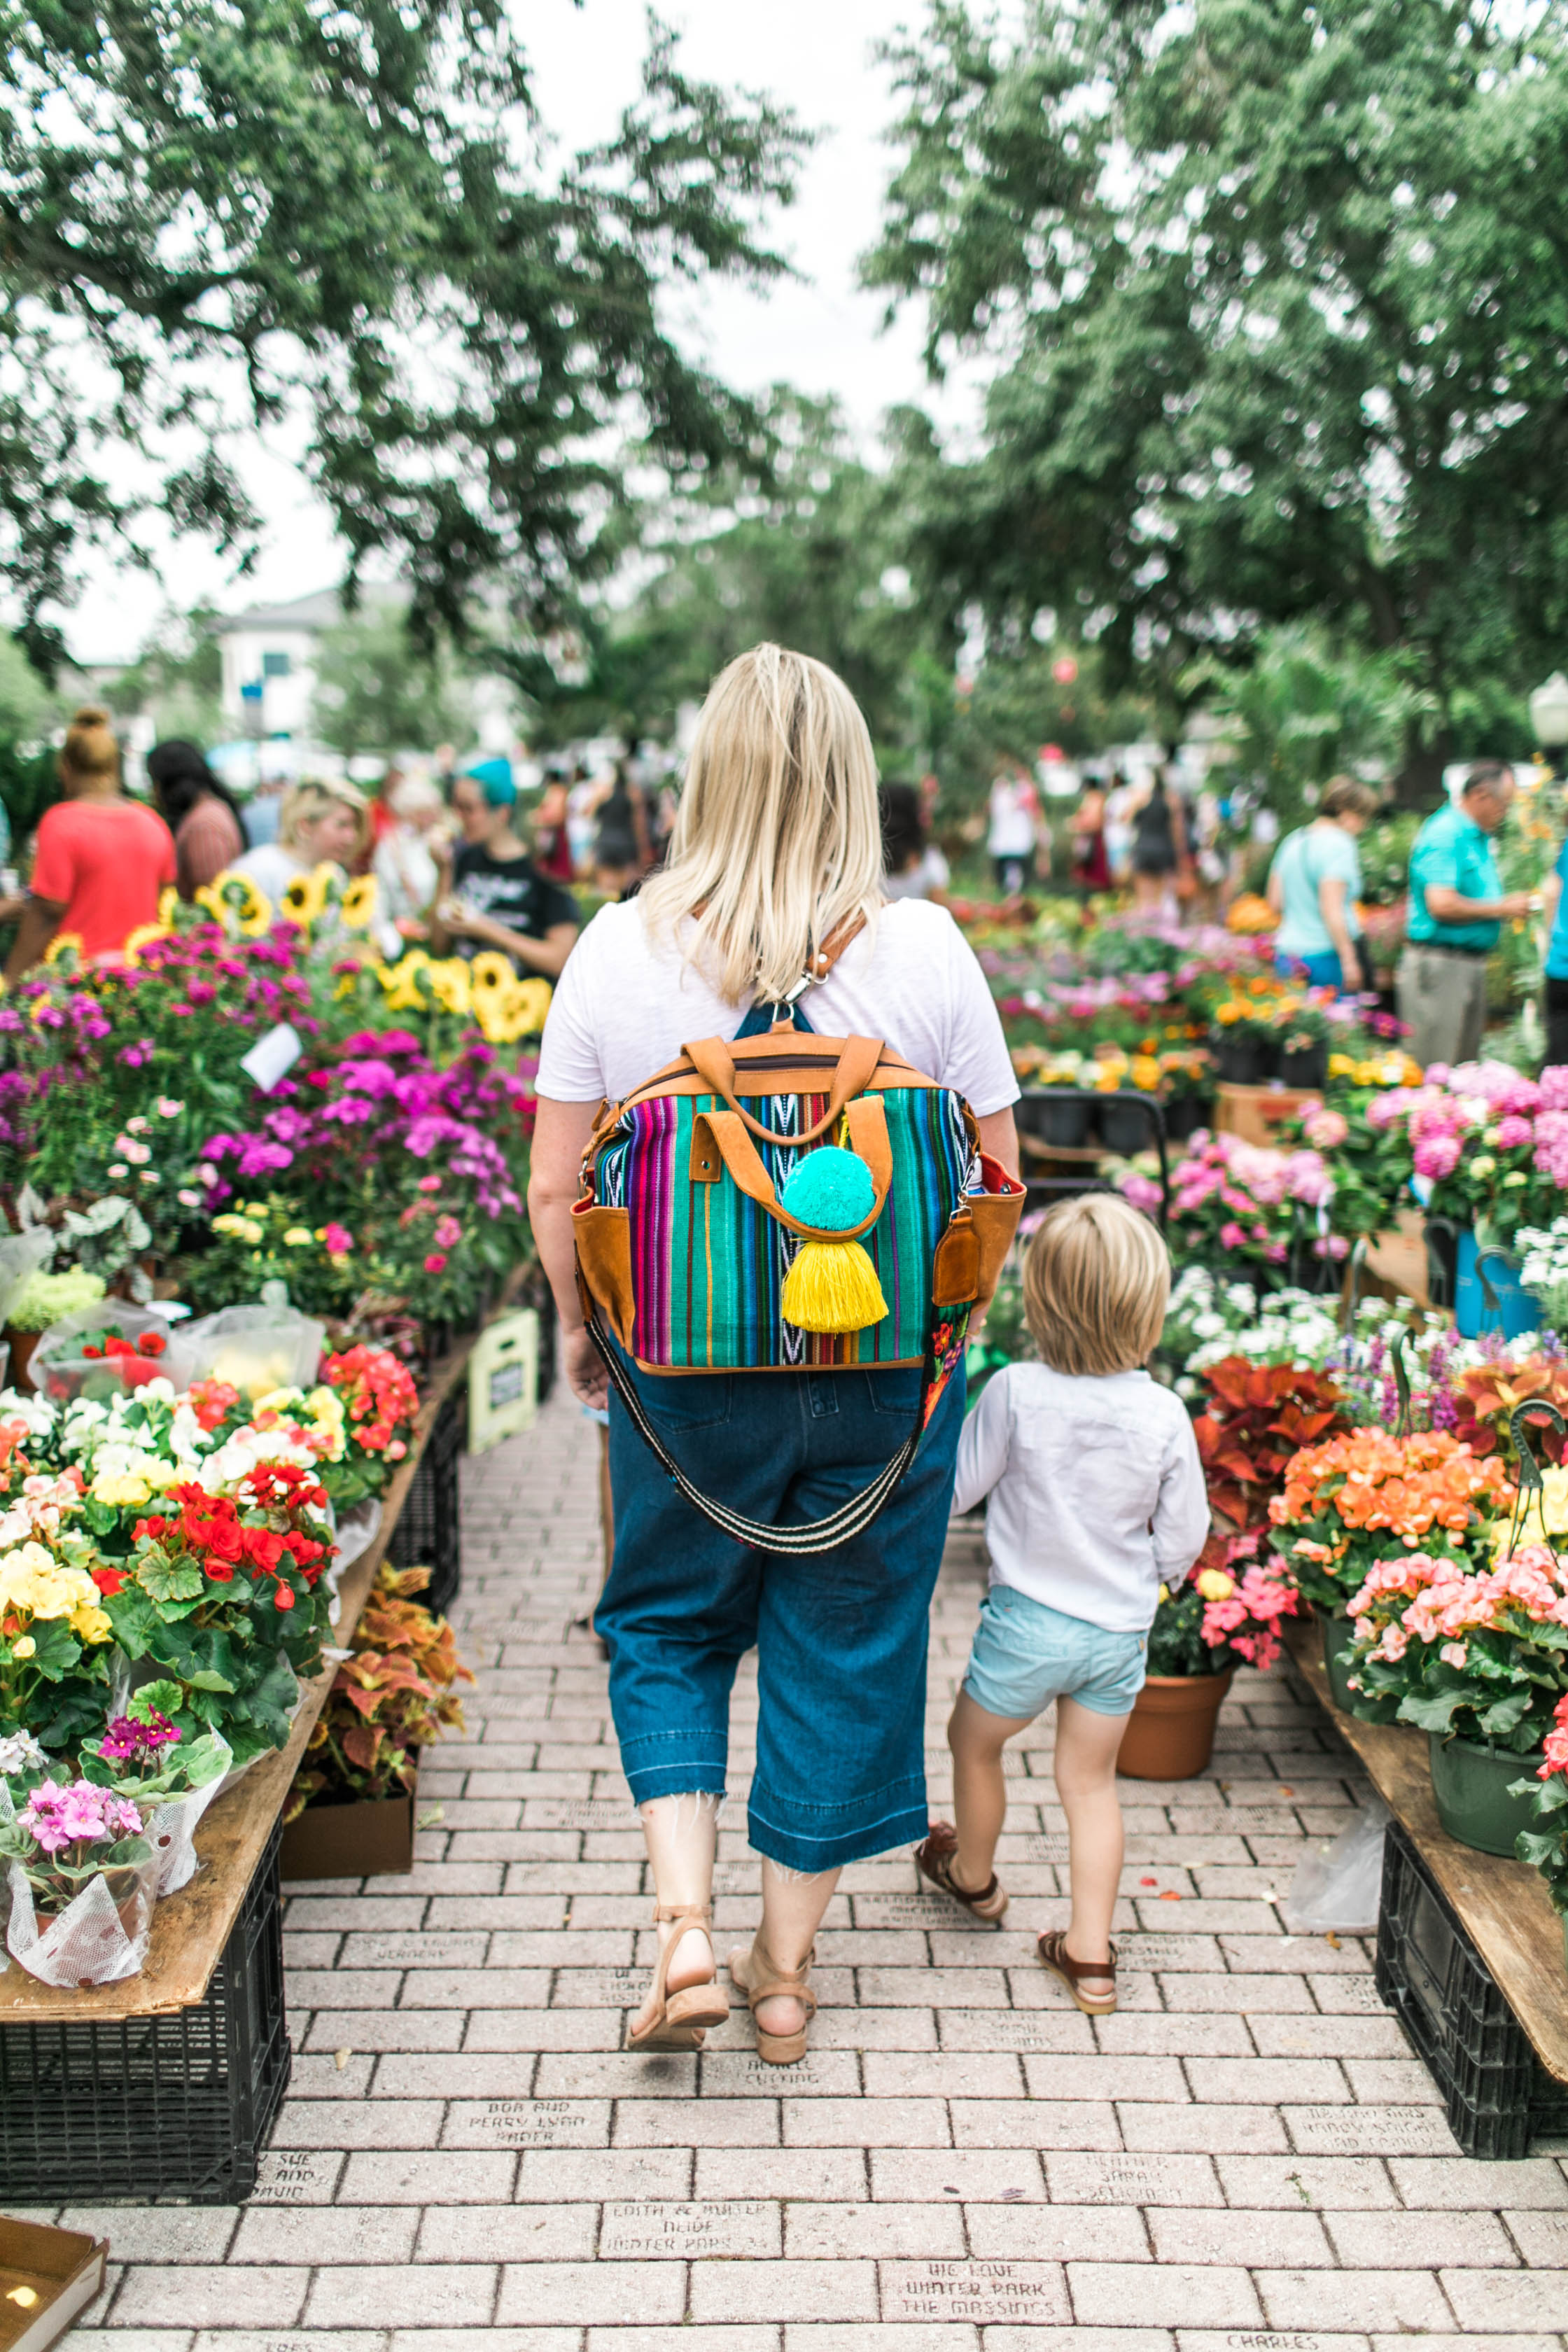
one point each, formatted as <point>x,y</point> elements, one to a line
<point>1313,885</point>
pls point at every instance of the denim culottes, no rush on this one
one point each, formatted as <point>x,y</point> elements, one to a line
<point>840,1636</point>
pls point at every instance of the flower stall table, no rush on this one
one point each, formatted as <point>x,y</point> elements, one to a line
<point>1469,1950</point>
<point>166,2084</point>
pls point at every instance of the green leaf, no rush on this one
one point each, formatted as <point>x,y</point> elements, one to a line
<point>164,1579</point>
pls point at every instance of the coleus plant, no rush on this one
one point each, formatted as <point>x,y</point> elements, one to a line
<point>392,1696</point>
<point>1258,1417</point>
<point>1485,1398</point>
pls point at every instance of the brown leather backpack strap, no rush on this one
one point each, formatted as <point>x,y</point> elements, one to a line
<point>841,936</point>
<point>711,1060</point>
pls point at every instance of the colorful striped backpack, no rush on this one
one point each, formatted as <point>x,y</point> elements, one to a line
<point>783,1202</point>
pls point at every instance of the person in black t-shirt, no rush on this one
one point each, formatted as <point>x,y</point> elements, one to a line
<point>495,895</point>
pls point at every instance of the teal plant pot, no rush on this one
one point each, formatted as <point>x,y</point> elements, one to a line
<point>1470,1782</point>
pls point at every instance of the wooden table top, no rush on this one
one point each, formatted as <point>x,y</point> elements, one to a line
<point>1503,1904</point>
<point>191,1929</point>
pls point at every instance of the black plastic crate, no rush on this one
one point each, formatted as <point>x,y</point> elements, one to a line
<point>1496,2092</point>
<point>155,2106</point>
<point>428,1533</point>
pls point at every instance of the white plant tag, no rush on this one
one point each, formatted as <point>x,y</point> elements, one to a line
<point>273,1057</point>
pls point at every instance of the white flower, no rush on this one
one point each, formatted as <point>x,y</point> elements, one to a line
<point>20,1752</point>
<point>1207,1326</point>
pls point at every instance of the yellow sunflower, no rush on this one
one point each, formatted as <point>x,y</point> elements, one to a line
<point>535,995</point>
<point>143,936</point>
<point>304,900</point>
<point>450,981</point>
<point>167,903</point>
<point>402,980</point>
<point>62,943</point>
<point>252,907</point>
<point>360,899</point>
<point>490,970</point>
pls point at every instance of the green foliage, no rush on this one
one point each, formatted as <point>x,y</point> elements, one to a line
<point>810,562</point>
<point>177,677</point>
<point>376,691</point>
<point>1298,713</point>
<point>217,218</point>
<point>1277,292</point>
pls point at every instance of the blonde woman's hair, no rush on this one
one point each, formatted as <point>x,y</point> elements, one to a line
<point>777,838</point>
<point>303,803</point>
<point>90,751</point>
<point>1097,1279</point>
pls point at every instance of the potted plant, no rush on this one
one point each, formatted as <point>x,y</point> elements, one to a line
<point>45,1300</point>
<point>1303,1030</point>
<point>1258,1418</point>
<point>1545,1842</point>
<point>83,1883</point>
<point>351,1810</point>
<point>1477,1659</point>
<point>1350,1500</point>
<point>1227,1613</point>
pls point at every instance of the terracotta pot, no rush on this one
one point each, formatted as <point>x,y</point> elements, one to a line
<point>1171,1734</point>
<point>21,1345</point>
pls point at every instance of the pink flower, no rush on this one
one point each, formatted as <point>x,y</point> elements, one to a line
<point>339,1242</point>
<point>1455,1653</point>
<point>448,1233</point>
<point>428,1184</point>
<point>1512,1131</point>
<point>435,1263</point>
<point>1231,1235</point>
<point>1326,1129</point>
<point>1437,1156</point>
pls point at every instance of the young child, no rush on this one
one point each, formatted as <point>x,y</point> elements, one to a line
<point>1097,1499</point>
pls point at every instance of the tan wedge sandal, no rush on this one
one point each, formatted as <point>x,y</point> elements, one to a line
<point>1053,1950</point>
<point>680,2019</point>
<point>754,1972</point>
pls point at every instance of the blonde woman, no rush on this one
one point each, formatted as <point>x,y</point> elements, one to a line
<point>321,825</point>
<point>777,846</point>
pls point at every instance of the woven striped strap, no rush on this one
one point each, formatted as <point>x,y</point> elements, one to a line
<point>851,1518</point>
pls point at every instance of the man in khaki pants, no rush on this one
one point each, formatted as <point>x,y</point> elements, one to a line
<point>1458,906</point>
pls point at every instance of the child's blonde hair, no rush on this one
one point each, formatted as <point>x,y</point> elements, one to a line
<point>1097,1280</point>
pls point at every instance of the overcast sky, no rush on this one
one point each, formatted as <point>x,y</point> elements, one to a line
<point>822,334</point>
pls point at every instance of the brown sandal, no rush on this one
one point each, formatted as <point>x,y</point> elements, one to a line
<point>1053,1950</point>
<point>759,1977</point>
<point>934,1861</point>
<point>680,2017</point>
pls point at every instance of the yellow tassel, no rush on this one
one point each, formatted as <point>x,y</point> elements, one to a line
<point>832,1287</point>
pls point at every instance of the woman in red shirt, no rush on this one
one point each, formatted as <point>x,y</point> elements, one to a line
<point>103,861</point>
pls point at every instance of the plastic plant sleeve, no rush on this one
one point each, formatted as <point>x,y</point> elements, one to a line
<point>1337,1888</point>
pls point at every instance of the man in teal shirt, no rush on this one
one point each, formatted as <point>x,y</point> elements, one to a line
<point>1458,906</point>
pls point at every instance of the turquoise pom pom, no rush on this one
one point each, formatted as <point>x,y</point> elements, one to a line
<point>831,1190</point>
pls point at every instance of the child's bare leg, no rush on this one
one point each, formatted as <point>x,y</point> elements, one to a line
<point>1087,1745</point>
<point>979,1790</point>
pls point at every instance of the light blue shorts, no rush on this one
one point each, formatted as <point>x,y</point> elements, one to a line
<point>1025,1654</point>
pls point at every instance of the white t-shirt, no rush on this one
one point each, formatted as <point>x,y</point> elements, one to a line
<point>1014,809</point>
<point>625,1005</point>
<point>1097,1491</point>
<point>271,867</point>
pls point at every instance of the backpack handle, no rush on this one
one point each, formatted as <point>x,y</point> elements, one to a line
<point>715,1065</point>
<point>719,1136</point>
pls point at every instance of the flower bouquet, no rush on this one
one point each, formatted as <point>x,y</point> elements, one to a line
<point>1479,1660</point>
<point>221,1589</point>
<point>83,1881</point>
<point>1350,1501</point>
<point>1201,1632</point>
<point>143,1758</point>
<point>55,1637</point>
<point>1245,1203</point>
<point>1481,1652</point>
<point>1227,1613</point>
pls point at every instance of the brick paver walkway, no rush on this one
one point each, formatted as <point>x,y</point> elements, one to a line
<point>1246,2157</point>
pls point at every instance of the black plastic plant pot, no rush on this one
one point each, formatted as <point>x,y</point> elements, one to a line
<point>1241,1060</point>
<point>1309,1066</point>
<point>1124,1126</point>
<point>1062,1122</point>
<point>1187,1115</point>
